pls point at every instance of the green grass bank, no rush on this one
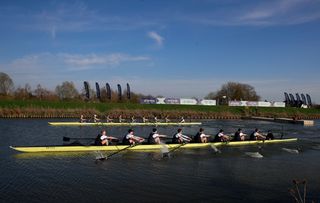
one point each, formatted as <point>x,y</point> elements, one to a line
<point>73,109</point>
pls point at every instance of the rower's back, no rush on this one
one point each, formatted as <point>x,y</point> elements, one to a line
<point>253,135</point>
<point>197,137</point>
<point>237,136</point>
<point>175,139</point>
<point>97,141</point>
<point>151,138</point>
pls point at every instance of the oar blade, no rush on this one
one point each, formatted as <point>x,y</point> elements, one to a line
<point>167,154</point>
<point>215,149</point>
<point>164,148</point>
<point>100,156</point>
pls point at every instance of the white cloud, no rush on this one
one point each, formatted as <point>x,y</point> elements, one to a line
<point>74,60</point>
<point>156,37</point>
<point>50,69</point>
<point>265,13</point>
<point>102,59</point>
<point>77,17</point>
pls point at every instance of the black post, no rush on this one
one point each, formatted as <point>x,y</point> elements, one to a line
<point>98,91</point>
<point>119,92</point>
<point>128,91</point>
<point>86,87</point>
<point>108,91</point>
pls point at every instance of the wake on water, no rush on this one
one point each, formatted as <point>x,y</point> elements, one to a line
<point>254,154</point>
<point>317,147</point>
<point>292,151</point>
<point>164,148</point>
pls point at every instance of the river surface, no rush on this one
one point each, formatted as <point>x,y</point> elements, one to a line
<point>200,175</point>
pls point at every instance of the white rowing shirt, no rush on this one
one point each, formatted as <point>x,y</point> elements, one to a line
<point>184,137</point>
<point>103,137</point>
<point>155,135</point>
<point>202,135</point>
<point>178,135</point>
<point>220,135</point>
<point>129,136</point>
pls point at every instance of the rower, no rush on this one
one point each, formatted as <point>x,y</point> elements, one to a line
<point>82,119</point>
<point>133,120</point>
<point>131,139</point>
<point>167,119</point>
<point>221,137</point>
<point>154,137</point>
<point>156,120</point>
<point>120,119</point>
<point>239,135</point>
<point>269,135</point>
<point>109,120</point>
<point>144,119</point>
<point>180,138</point>
<point>95,118</point>
<point>255,135</point>
<point>201,137</point>
<point>182,120</point>
<point>103,139</point>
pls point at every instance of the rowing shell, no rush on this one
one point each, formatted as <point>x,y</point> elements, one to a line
<point>142,147</point>
<point>120,124</point>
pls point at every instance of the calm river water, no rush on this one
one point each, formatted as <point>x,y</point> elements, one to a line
<point>187,176</point>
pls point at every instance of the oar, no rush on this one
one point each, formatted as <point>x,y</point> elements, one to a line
<point>117,152</point>
<point>215,149</point>
<point>166,154</point>
<point>262,145</point>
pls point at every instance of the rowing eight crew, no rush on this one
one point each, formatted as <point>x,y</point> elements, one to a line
<point>179,137</point>
<point>95,119</point>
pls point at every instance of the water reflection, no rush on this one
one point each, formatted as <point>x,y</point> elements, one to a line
<point>199,175</point>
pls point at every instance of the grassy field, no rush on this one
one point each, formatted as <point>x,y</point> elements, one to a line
<point>36,108</point>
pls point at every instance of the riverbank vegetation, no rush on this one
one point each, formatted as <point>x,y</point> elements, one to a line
<point>11,108</point>
<point>67,102</point>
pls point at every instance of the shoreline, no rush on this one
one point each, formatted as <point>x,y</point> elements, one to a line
<point>26,113</point>
<point>73,109</point>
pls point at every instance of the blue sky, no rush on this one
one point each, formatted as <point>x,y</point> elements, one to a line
<point>170,48</point>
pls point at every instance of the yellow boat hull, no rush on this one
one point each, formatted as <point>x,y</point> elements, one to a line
<point>142,147</point>
<point>121,124</point>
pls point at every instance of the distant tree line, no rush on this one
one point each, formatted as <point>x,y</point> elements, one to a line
<point>234,91</point>
<point>65,91</point>
<point>68,91</point>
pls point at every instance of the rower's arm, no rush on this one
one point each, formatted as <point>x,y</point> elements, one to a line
<point>186,137</point>
<point>138,138</point>
<point>112,138</point>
